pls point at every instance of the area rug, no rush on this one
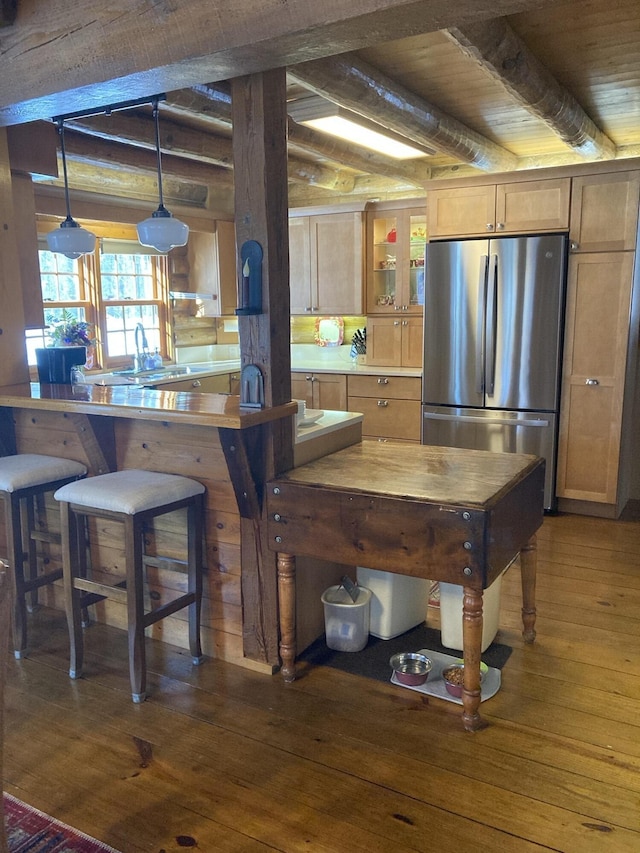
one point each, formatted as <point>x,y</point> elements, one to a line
<point>33,831</point>
<point>373,660</point>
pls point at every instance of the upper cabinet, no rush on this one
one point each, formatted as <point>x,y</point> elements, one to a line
<point>509,208</point>
<point>395,255</point>
<point>211,266</point>
<point>604,212</point>
<point>325,263</point>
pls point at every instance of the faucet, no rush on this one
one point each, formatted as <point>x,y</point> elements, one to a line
<point>140,358</point>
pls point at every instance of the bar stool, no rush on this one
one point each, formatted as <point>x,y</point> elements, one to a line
<point>24,477</point>
<point>132,497</point>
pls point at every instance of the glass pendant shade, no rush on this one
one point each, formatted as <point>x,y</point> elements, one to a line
<point>71,239</point>
<point>161,231</point>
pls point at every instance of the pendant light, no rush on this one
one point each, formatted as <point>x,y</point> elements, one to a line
<point>161,231</point>
<point>69,239</point>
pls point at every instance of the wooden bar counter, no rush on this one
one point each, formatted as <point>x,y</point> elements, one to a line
<point>208,437</point>
<point>459,516</point>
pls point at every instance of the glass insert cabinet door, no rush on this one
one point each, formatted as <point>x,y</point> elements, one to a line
<point>396,258</point>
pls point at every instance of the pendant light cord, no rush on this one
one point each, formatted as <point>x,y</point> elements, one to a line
<point>64,168</point>
<point>156,116</point>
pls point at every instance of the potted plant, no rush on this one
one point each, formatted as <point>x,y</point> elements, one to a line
<point>71,346</point>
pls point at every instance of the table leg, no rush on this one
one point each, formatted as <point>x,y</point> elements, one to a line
<point>287,604</point>
<point>472,644</point>
<point>528,568</point>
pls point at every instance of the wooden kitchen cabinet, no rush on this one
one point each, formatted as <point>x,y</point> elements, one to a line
<point>520,207</point>
<point>396,242</point>
<point>391,405</point>
<point>394,341</point>
<point>320,390</point>
<point>599,364</point>
<point>218,384</point>
<point>212,266</point>
<point>325,263</point>
<point>604,212</point>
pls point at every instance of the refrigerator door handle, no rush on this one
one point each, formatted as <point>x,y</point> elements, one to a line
<point>480,329</point>
<point>492,312</point>
<point>471,419</point>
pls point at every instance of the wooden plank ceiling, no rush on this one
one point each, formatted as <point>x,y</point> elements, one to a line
<point>555,85</point>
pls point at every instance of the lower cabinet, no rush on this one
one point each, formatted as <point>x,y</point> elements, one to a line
<point>394,341</point>
<point>219,384</point>
<point>320,390</point>
<point>391,405</point>
<point>599,365</point>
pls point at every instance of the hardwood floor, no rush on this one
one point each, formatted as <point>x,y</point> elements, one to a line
<point>232,760</point>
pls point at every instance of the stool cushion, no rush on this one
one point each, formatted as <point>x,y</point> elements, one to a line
<point>129,491</point>
<point>26,470</point>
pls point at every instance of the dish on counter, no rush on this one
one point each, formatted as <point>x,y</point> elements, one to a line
<point>311,416</point>
<point>329,331</point>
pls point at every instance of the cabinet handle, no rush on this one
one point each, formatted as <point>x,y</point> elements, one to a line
<point>489,226</point>
<point>405,322</point>
<point>308,308</point>
<point>574,246</point>
<point>383,403</point>
<point>382,380</point>
<point>314,308</point>
<point>196,383</point>
<point>591,382</point>
<point>500,226</point>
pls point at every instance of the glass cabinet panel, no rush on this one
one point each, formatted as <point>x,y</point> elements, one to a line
<point>396,255</point>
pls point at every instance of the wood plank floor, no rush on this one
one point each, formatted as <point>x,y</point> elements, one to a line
<point>231,760</point>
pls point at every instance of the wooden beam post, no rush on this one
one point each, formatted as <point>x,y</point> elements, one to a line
<point>13,354</point>
<point>261,214</point>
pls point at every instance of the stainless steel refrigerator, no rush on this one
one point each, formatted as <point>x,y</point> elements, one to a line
<point>494,312</point>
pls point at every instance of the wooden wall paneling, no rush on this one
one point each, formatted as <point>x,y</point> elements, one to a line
<point>7,433</point>
<point>58,431</point>
<point>24,208</point>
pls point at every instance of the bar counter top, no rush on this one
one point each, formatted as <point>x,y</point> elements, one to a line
<point>132,401</point>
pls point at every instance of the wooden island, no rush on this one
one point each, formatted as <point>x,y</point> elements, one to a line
<point>208,437</point>
<point>460,516</point>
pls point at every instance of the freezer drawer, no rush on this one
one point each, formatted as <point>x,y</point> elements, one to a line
<point>498,431</point>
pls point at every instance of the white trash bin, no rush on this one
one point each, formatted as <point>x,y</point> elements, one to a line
<point>346,621</point>
<point>451,595</point>
<point>398,602</point>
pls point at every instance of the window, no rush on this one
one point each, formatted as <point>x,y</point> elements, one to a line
<point>122,290</point>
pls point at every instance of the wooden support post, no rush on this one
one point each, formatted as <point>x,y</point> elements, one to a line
<point>261,214</point>
<point>13,353</point>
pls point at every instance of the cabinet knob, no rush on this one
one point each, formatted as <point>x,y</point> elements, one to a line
<point>196,383</point>
<point>309,378</point>
<point>382,380</point>
<point>396,322</point>
<point>383,403</point>
<point>574,246</point>
<point>405,322</point>
<point>489,226</point>
<point>591,382</point>
<point>500,226</point>
<point>308,308</point>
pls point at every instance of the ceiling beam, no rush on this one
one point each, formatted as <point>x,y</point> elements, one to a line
<point>357,86</point>
<point>213,101</point>
<point>60,57</point>
<point>503,54</point>
<point>135,129</point>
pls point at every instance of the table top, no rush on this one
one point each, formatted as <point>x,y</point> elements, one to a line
<point>442,475</point>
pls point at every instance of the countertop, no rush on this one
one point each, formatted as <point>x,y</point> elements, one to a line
<point>135,401</point>
<point>304,358</point>
<point>329,422</point>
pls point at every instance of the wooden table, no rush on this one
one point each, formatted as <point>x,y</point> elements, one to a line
<point>445,514</point>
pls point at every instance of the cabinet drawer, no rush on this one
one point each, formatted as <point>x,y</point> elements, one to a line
<point>392,387</point>
<point>389,418</point>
